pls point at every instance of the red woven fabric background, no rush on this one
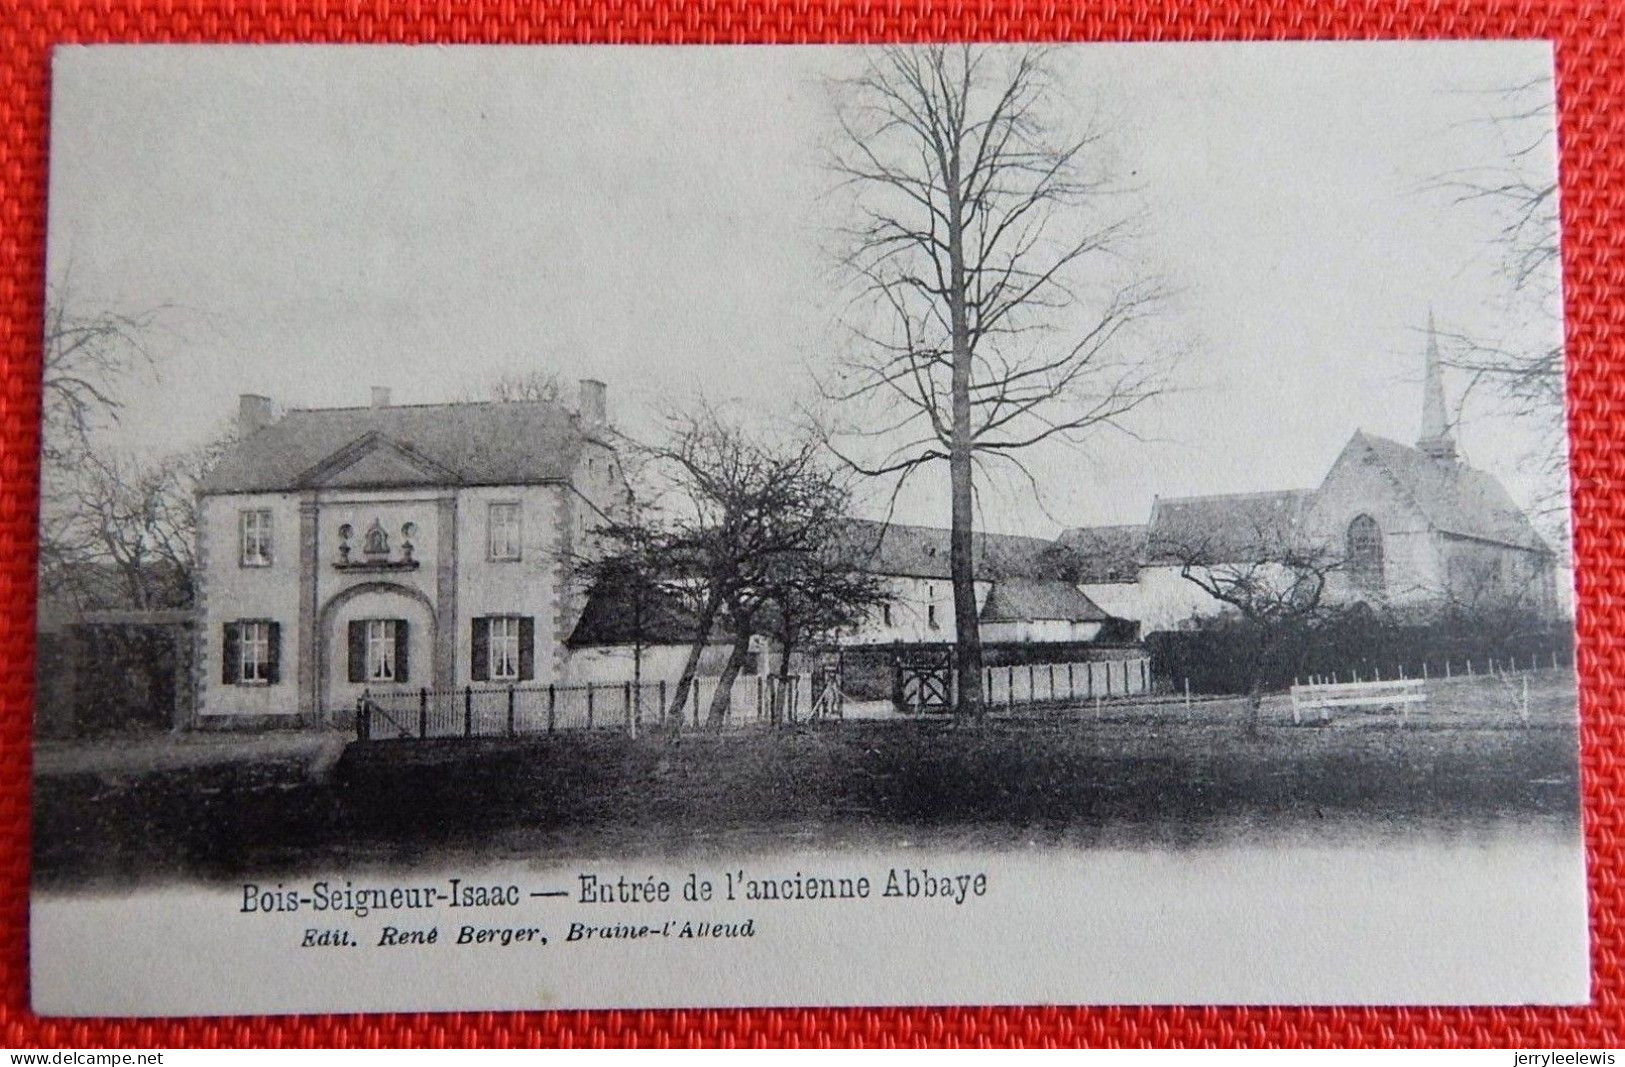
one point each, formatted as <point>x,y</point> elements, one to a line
<point>1590,36</point>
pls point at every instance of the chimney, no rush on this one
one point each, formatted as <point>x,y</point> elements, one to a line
<point>253,414</point>
<point>593,407</point>
<point>380,396</point>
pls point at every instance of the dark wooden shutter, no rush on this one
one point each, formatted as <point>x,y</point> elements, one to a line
<point>400,650</point>
<point>231,656</point>
<point>527,648</point>
<point>358,650</point>
<point>479,654</point>
<point>273,652</point>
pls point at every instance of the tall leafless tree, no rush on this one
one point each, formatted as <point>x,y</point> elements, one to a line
<point>1516,199</point>
<point>994,312</point>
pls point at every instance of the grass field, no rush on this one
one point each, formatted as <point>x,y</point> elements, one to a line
<point>1131,777</point>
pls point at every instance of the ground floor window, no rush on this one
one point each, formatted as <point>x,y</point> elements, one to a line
<point>503,649</point>
<point>251,652</point>
<point>381,650</point>
<point>378,650</point>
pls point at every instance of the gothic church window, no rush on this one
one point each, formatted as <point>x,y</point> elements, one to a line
<point>1365,552</point>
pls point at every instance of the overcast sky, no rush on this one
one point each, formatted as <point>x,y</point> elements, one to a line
<point>321,220</point>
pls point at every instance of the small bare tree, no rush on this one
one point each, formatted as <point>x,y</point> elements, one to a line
<point>633,569</point>
<point>984,251</point>
<point>1274,584</point>
<point>741,508</point>
<point>814,594</point>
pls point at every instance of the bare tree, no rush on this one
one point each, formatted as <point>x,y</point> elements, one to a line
<point>126,537</point>
<point>813,594</point>
<point>87,356</point>
<point>632,569</point>
<point>1516,197</point>
<point>984,251</point>
<point>1274,585</point>
<point>740,505</point>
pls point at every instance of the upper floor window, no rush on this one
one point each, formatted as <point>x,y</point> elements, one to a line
<point>1365,552</point>
<point>254,525</point>
<point>504,531</point>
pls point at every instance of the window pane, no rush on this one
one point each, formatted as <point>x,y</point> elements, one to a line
<point>255,651</point>
<point>504,647</point>
<point>381,650</point>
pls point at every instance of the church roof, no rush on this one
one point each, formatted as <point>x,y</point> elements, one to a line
<point>1453,497</point>
<point>1103,554</point>
<point>1225,527</point>
<point>474,443</point>
<point>1024,599</point>
<point>923,552</point>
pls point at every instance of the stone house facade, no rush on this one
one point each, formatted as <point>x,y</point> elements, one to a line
<point>414,546</point>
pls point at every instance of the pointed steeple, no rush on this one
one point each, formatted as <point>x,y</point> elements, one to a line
<point>1436,439</point>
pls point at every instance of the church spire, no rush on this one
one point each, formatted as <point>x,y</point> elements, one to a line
<point>1436,439</point>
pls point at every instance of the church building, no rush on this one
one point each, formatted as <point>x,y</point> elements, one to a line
<point>1411,528</point>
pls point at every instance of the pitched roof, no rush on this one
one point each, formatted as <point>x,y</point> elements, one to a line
<point>1023,599</point>
<point>473,443</point>
<point>1101,554</point>
<point>1226,527</point>
<point>611,617</point>
<point>924,552</point>
<point>1455,498</point>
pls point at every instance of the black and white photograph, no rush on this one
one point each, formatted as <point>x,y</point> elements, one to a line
<point>598,527</point>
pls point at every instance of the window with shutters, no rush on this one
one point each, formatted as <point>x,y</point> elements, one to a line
<point>503,524</point>
<point>255,527</point>
<point>503,643</point>
<point>380,650</point>
<point>250,653</point>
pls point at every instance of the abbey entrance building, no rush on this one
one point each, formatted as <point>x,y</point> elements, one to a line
<point>382,546</point>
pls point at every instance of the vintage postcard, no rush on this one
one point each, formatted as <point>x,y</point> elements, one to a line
<point>944,524</point>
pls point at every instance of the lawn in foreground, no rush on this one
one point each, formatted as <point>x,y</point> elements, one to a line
<point>1061,781</point>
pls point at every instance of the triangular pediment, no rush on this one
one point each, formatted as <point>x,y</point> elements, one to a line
<point>375,460</point>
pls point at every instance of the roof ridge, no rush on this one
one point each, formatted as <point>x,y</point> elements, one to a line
<point>430,404</point>
<point>1254,494</point>
<point>948,530</point>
